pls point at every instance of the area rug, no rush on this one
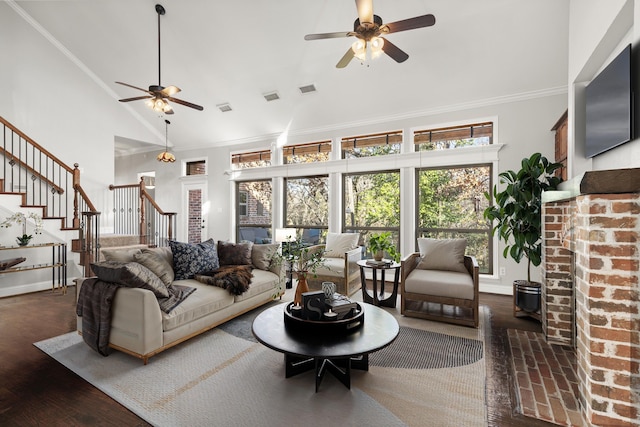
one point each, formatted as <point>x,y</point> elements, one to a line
<point>433,374</point>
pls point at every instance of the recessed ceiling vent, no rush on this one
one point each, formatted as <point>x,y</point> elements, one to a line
<point>271,96</point>
<point>307,89</point>
<point>224,107</point>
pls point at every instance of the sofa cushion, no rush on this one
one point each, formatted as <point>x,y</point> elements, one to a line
<point>261,255</point>
<point>163,251</point>
<point>204,301</point>
<point>442,254</point>
<point>262,281</point>
<point>190,259</point>
<point>119,254</point>
<point>339,243</point>
<point>333,267</point>
<point>234,253</point>
<point>157,264</point>
<point>451,284</point>
<point>130,274</point>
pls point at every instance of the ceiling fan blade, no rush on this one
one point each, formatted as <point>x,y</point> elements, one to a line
<point>134,87</point>
<point>411,23</point>
<point>185,103</point>
<point>170,90</point>
<point>365,10</point>
<point>394,51</point>
<point>327,35</point>
<point>344,61</point>
<point>136,98</point>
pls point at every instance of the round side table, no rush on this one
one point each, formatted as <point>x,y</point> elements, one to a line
<point>378,298</point>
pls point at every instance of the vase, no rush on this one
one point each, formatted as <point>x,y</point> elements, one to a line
<point>301,287</point>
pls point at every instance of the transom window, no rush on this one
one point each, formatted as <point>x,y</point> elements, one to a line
<point>254,159</point>
<point>377,144</point>
<point>453,137</point>
<point>307,153</point>
<point>198,167</point>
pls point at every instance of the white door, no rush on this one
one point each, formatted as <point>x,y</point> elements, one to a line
<point>194,210</point>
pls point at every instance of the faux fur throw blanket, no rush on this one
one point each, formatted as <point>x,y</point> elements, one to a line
<point>234,278</point>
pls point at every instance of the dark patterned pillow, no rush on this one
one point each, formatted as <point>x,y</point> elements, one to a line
<point>130,274</point>
<point>234,253</point>
<point>190,259</point>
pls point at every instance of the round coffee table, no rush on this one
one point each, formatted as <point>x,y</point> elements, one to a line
<point>337,354</point>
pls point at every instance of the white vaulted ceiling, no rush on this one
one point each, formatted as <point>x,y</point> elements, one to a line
<point>235,51</point>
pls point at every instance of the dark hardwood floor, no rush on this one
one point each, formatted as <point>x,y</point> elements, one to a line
<point>36,390</point>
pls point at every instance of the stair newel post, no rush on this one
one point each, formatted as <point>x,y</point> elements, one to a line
<point>143,222</point>
<point>172,219</point>
<point>76,185</point>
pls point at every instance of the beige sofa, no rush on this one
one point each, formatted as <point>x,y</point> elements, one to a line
<point>140,328</point>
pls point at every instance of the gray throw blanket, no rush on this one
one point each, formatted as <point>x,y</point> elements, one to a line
<point>94,306</point>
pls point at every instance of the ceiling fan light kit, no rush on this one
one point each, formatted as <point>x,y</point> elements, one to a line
<point>158,95</point>
<point>368,29</point>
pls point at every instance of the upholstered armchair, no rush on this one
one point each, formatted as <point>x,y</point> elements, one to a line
<point>341,253</point>
<point>440,283</point>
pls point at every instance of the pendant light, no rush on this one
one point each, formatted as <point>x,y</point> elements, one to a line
<point>166,156</point>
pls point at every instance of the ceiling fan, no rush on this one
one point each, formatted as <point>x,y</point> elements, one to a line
<point>158,95</point>
<point>368,29</point>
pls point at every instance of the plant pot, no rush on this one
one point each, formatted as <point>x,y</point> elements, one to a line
<point>378,255</point>
<point>301,287</point>
<point>527,295</point>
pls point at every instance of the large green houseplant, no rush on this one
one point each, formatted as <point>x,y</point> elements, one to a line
<point>380,243</point>
<point>517,212</point>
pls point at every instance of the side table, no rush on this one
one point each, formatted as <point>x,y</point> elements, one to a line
<point>379,298</point>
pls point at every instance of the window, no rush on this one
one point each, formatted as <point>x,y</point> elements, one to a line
<point>378,144</point>
<point>307,207</point>
<point>254,159</point>
<point>198,167</point>
<point>450,203</point>
<point>453,137</point>
<point>372,204</point>
<point>307,153</point>
<point>253,211</point>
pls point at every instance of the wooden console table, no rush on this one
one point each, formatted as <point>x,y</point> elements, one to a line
<point>58,263</point>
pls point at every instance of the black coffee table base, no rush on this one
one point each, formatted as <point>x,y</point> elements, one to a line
<point>339,367</point>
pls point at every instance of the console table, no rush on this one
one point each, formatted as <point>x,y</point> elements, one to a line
<point>58,264</point>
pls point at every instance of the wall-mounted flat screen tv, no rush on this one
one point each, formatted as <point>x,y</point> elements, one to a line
<point>608,100</point>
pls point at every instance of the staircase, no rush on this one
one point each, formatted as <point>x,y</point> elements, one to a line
<point>34,180</point>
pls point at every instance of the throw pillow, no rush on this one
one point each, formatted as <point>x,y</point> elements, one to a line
<point>339,243</point>
<point>163,251</point>
<point>131,275</point>
<point>234,253</point>
<point>442,254</point>
<point>190,259</point>
<point>119,254</point>
<point>261,255</point>
<point>158,265</point>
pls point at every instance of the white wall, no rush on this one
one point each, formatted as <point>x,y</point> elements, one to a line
<point>597,31</point>
<point>522,127</point>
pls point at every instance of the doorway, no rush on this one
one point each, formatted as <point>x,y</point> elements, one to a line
<point>194,206</point>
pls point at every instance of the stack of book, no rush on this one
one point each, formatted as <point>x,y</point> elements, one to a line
<point>381,263</point>
<point>342,306</point>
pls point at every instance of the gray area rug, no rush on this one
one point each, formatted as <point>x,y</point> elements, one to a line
<point>224,378</point>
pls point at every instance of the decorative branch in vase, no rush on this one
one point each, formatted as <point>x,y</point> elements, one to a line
<point>303,261</point>
<point>21,219</point>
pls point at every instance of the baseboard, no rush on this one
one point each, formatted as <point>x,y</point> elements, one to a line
<point>493,288</point>
<point>29,288</point>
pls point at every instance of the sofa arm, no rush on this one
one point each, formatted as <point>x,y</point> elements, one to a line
<point>407,265</point>
<point>136,321</point>
<point>351,258</point>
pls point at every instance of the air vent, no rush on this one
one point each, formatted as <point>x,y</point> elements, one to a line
<point>271,96</point>
<point>224,107</point>
<point>307,89</point>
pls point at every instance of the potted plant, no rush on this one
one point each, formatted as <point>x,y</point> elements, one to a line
<point>380,243</point>
<point>303,261</point>
<point>21,218</point>
<point>517,212</point>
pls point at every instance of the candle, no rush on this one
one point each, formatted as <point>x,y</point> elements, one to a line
<point>296,310</point>
<point>330,315</point>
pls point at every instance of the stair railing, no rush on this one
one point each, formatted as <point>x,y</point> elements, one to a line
<point>135,212</point>
<point>45,181</point>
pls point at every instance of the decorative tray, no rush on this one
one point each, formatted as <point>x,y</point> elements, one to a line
<point>330,327</point>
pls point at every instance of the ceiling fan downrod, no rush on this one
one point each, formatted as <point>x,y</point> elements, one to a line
<point>161,11</point>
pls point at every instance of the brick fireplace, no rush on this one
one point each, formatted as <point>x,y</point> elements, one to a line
<point>591,287</point>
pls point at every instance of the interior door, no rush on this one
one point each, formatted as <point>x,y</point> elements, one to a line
<point>194,201</point>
